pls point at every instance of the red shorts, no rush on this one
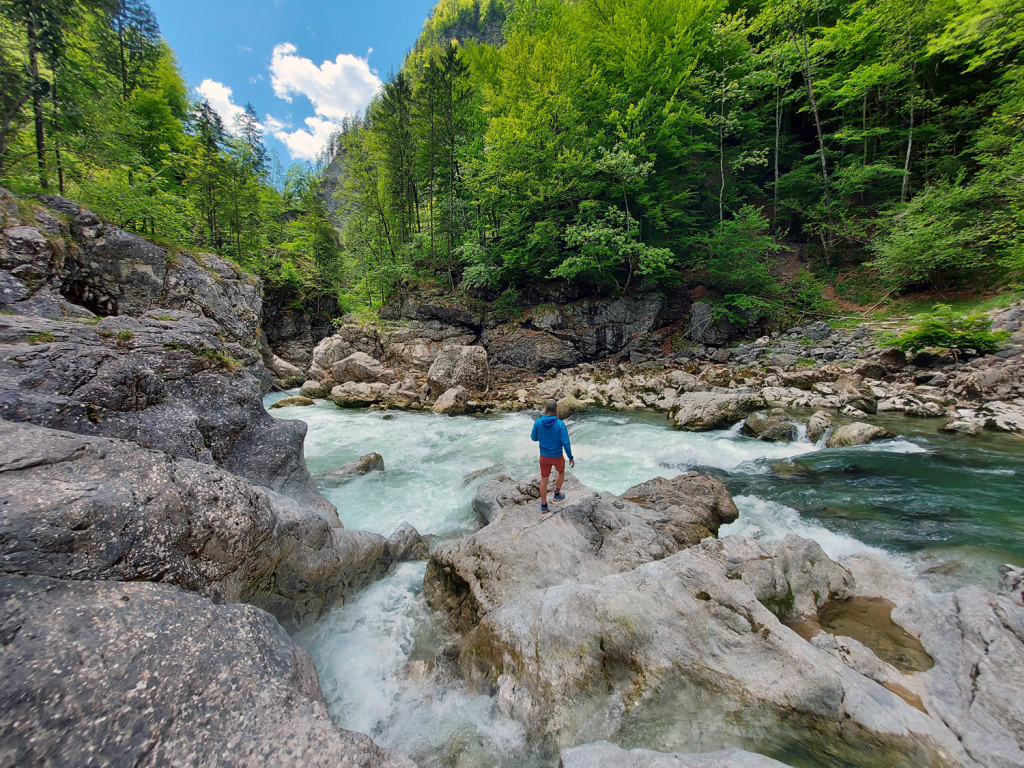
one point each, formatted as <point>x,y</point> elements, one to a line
<point>546,463</point>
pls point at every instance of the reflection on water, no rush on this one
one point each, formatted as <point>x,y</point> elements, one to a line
<point>948,509</point>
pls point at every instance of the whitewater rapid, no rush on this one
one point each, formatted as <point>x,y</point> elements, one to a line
<point>374,654</point>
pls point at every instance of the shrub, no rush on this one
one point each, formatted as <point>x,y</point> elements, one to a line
<point>943,328</point>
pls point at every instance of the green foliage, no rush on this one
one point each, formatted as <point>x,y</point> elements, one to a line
<point>41,338</point>
<point>944,328</point>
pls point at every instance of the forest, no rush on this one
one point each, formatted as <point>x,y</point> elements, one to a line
<point>773,155</point>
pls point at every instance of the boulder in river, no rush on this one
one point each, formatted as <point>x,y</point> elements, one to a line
<point>452,402</point>
<point>857,433</point>
<point>459,366</point>
<point>316,389</point>
<point>106,673</point>
<point>1011,581</point>
<point>705,411</point>
<point>287,402</point>
<point>818,425</point>
<point>773,427</point>
<point>371,462</point>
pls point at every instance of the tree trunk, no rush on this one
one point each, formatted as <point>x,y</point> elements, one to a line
<point>778,129</point>
<point>809,82</point>
<point>56,134</point>
<point>910,141</point>
<point>37,101</point>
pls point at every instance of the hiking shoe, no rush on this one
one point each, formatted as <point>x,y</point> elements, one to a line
<point>543,508</point>
<point>559,496</point>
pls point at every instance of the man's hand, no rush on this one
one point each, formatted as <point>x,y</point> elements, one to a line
<point>572,463</point>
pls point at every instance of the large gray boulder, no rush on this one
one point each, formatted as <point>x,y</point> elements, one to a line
<point>606,755</point>
<point>704,411</point>
<point>102,673</point>
<point>773,427</point>
<point>573,657</point>
<point>359,366</point>
<point>585,538</point>
<point>857,433</point>
<point>74,507</point>
<point>165,381</point>
<point>364,465</point>
<point>459,366</point>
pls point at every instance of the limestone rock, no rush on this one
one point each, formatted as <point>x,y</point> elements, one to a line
<point>371,462</point>
<point>818,425</point>
<point>857,433</point>
<point>286,402</point>
<point>569,406</point>
<point>1011,581</point>
<point>102,673</point>
<point>893,359</point>
<point>772,427</point>
<point>357,394</point>
<point>75,507</point>
<point>606,755</point>
<point>316,389</point>
<point>452,402</point>
<point>703,411</point>
<point>961,428</point>
<point>587,536</point>
<point>359,366</point>
<point>166,381</point>
<point>459,367</point>
<point>407,544</point>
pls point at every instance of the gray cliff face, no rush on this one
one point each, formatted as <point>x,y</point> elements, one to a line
<point>100,673</point>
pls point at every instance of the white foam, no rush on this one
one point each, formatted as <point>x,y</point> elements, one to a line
<point>362,651</point>
<point>770,521</point>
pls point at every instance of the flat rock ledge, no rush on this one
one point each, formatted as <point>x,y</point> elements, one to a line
<point>578,621</point>
<point>104,673</point>
<point>584,538</point>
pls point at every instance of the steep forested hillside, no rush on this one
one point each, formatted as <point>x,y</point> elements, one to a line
<point>754,151</point>
<point>604,142</point>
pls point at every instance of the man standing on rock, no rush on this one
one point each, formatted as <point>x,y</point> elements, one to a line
<point>550,432</point>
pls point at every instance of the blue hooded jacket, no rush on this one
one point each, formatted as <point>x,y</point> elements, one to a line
<point>550,432</point>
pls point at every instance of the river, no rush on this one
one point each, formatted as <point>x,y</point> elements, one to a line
<point>948,510</point>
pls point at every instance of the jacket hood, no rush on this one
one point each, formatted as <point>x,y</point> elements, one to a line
<point>548,419</point>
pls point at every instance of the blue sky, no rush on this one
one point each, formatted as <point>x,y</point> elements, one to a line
<point>303,64</point>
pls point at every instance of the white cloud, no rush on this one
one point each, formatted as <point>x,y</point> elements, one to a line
<point>336,89</point>
<point>273,125</point>
<point>219,96</point>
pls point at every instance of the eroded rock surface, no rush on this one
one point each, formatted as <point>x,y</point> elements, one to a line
<point>75,507</point>
<point>102,673</point>
<point>586,537</point>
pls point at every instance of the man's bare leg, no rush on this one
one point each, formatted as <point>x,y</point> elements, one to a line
<point>544,489</point>
<point>558,481</point>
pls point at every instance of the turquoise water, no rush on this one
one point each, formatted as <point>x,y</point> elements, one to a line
<point>948,510</point>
